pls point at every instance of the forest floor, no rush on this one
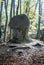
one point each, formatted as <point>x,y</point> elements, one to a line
<point>31,53</point>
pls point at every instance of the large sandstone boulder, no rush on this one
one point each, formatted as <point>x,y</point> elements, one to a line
<point>20,26</point>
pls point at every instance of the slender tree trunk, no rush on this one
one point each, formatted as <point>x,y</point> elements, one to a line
<point>7,2</point>
<point>17,8</point>
<point>20,6</point>
<point>10,17</point>
<point>40,13</point>
<point>1,5</point>
<point>35,7</point>
<point>13,6</point>
<point>27,7</point>
<point>6,20</point>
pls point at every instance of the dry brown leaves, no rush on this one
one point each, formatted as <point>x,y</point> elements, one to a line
<point>31,59</point>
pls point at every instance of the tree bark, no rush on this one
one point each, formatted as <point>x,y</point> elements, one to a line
<point>40,13</point>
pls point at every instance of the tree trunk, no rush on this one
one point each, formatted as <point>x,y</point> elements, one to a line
<point>17,8</point>
<point>6,20</point>
<point>11,16</point>
<point>20,6</point>
<point>0,16</point>
<point>40,13</point>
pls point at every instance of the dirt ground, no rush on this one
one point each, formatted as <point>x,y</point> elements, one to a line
<point>31,53</point>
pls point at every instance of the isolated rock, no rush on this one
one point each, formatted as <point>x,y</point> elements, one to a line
<point>19,25</point>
